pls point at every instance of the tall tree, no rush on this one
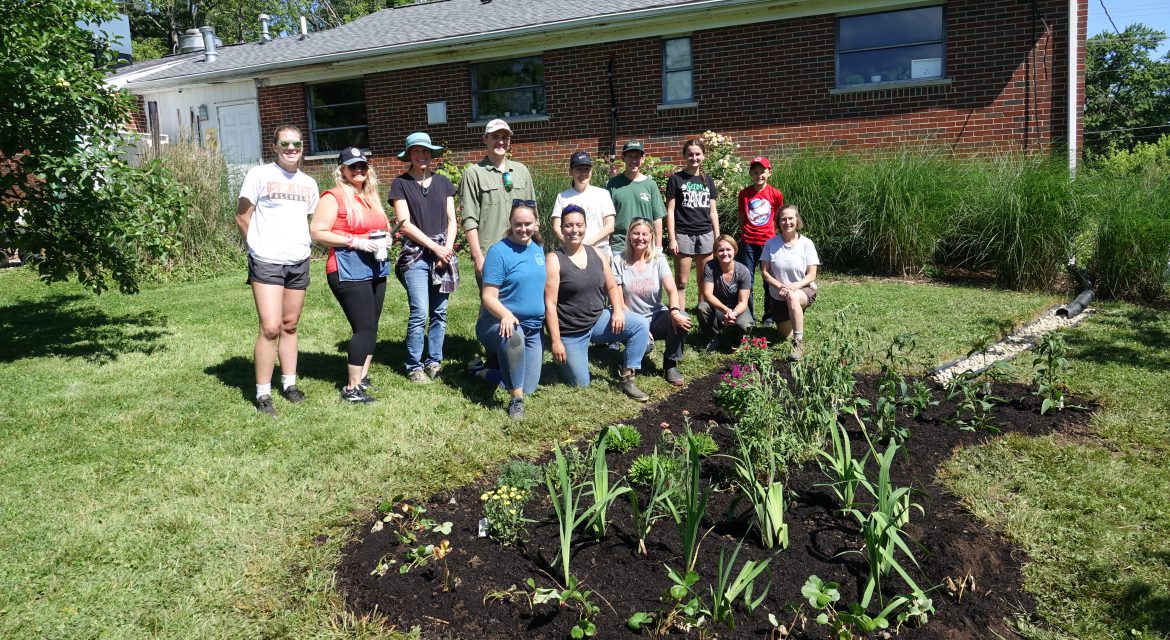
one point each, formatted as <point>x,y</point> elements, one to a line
<point>1127,90</point>
<point>65,192</point>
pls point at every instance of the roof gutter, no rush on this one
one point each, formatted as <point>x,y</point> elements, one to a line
<point>1074,39</point>
<point>575,23</point>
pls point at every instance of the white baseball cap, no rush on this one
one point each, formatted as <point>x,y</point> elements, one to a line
<point>496,125</point>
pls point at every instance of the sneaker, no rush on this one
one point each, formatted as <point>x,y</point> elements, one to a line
<point>418,376</point>
<point>769,323</point>
<point>714,345</point>
<point>433,370</point>
<point>797,351</point>
<point>632,390</point>
<point>356,395</point>
<point>264,405</point>
<point>292,394</point>
<point>674,376</point>
<point>366,385</point>
<point>516,408</point>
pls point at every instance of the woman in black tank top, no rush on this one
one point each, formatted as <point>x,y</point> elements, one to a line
<point>578,279</point>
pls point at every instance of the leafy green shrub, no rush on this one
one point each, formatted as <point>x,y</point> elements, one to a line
<point>520,473</point>
<point>1132,243</point>
<point>621,438</point>
<point>642,468</point>
<point>703,443</point>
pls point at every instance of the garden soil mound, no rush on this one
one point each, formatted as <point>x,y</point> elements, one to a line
<point>948,542</point>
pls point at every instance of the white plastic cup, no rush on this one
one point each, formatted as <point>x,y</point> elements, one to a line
<point>382,253</point>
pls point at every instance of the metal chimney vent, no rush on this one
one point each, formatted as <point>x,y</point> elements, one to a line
<point>209,52</point>
<point>264,37</point>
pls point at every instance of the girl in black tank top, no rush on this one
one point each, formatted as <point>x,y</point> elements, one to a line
<point>581,297</point>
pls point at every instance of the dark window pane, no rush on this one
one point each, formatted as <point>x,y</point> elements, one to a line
<point>503,74</point>
<point>515,102</point>
<point>337,92</point>
<point>333,141</point>
<point>889,65</point>
<point>344,116</point>
<point>890,29</point>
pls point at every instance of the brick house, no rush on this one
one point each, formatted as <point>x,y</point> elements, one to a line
<point>965,74</point>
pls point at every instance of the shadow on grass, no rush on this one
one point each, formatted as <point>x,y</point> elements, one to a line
<point>1140,606</point>
<point>73,326</point>
<point>1134,337</point>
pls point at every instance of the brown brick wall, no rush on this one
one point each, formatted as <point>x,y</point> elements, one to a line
<point>137,121</point>
<point>767,85</point>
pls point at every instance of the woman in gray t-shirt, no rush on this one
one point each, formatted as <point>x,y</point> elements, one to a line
<point>644,274</point>
<point>723,307</point>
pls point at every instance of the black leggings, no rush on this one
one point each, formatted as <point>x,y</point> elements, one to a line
<point>362,304</point>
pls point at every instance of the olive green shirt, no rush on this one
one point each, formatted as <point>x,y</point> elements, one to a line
<point>631,200</point>
<point>487,203</point>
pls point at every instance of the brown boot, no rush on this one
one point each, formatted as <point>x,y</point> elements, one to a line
<point>631,389</point>
<point>797,350</point>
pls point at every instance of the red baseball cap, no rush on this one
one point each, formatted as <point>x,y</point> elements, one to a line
<point>761,160</point>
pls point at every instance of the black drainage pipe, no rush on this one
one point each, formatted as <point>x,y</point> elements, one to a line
<point>1083,299</point>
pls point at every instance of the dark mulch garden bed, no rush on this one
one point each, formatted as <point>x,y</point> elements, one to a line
<point>950,544</point>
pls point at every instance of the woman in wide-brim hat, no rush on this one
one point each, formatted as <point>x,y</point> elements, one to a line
<point>424,203</point>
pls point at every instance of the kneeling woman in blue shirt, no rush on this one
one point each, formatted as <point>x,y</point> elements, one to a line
<point>512,309</point>
<point>576,284</point>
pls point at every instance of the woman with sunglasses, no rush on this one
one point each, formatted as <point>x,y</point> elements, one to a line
<point>512,307</point>
<point>351,221</point>
<point>577,282</point>
<point>424,202</point>
<point>273,216</point>
<point>644,274</point>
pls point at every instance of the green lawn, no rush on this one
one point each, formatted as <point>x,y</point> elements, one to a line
<point>141,494</point>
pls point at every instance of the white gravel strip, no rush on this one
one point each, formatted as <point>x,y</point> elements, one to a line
<point>1020,340</point>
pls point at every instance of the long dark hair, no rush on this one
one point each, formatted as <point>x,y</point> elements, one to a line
<point>694,142</point>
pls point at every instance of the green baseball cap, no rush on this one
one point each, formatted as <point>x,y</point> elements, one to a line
<point>632,145</point>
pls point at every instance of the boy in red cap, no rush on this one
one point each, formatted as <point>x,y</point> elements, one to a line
<point>758,204</point>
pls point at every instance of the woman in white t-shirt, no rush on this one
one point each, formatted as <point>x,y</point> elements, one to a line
<point>790,271</point>
<point>593,201</point>
<point>273,216</point>
<point>644,275</point>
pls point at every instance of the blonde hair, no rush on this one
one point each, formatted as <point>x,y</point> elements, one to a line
<point>349,193</point>
<point>651,251</point>
<point>729,240</point>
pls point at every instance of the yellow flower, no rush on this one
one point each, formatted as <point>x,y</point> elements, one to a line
<point>512,511</point>
<point>484,497</point>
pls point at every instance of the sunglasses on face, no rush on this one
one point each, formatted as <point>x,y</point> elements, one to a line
<point>295,144</point>
<point>359,166</point>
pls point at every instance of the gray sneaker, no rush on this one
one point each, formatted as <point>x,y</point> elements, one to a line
<point>418,376</point>
<point>632,390</point>
<point>674,376</point>
<point>516,408</point>
<point>356,395</point>
<point>264,405</point>
<point>433,370</point>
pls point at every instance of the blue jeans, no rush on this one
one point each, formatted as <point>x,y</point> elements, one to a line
<point>520,356</point>
<point>425,300</point>
<point>749,256</point>
<point>635,335</point>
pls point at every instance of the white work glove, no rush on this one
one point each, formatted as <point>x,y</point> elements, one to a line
<point>370,246</point>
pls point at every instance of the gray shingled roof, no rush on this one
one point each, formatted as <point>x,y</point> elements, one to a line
<point>411,25</point>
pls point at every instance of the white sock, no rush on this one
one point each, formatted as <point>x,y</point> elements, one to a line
<point>263,390</point>
<point>288,381</point>
<point>798,335</point>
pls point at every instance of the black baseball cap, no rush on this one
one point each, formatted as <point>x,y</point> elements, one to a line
<point>632,145</point>
<point>580,158</point>
<point>352,155</point>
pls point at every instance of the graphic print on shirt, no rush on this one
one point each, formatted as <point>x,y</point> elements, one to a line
<point>279,190</point>
<point>696,195</point>
<point>759,211</point>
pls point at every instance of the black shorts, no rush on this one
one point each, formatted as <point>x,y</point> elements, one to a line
<point>289,276</point>
<point>779,308</point>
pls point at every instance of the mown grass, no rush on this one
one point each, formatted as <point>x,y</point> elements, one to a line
<point>1091,510</point>
<point>141,494</point>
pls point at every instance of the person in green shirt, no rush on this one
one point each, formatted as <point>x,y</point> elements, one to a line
<point>487,190</point>
<point>634,195</point>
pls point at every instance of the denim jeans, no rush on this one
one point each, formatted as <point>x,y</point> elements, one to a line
<point>749,256</point>
<point>520,356</point>
<point>635,335</point>
<point>425,300</point>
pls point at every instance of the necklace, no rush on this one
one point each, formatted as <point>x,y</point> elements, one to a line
<point>426,188</point>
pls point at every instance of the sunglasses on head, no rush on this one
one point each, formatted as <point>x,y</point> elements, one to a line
<point>531,204</point>
<point>295,144</point>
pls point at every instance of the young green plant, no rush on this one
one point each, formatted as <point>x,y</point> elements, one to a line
<point>659,502</point>
<point>725,591</point>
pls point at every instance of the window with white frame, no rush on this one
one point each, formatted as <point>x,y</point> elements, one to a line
<point>337,116</point>
<point>508,88</point>
<point>677,80</point>
<point>893,46</point>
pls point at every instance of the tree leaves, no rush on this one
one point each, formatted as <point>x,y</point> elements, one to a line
<point>1125,88</point>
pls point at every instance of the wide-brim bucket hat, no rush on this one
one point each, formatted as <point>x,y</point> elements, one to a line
<point>419,139</point>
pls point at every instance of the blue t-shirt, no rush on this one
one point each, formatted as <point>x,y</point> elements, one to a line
<point>518,270</point>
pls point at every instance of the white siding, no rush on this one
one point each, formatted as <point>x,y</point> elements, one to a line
<point>179,108</point>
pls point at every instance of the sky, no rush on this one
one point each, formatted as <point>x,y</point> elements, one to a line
<point>1152,13</point>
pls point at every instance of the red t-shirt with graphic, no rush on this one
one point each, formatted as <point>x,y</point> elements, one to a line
<point>757,213</point>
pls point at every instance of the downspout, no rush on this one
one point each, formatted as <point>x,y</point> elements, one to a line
<point>1073,96</point>
<point>613,113</point>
